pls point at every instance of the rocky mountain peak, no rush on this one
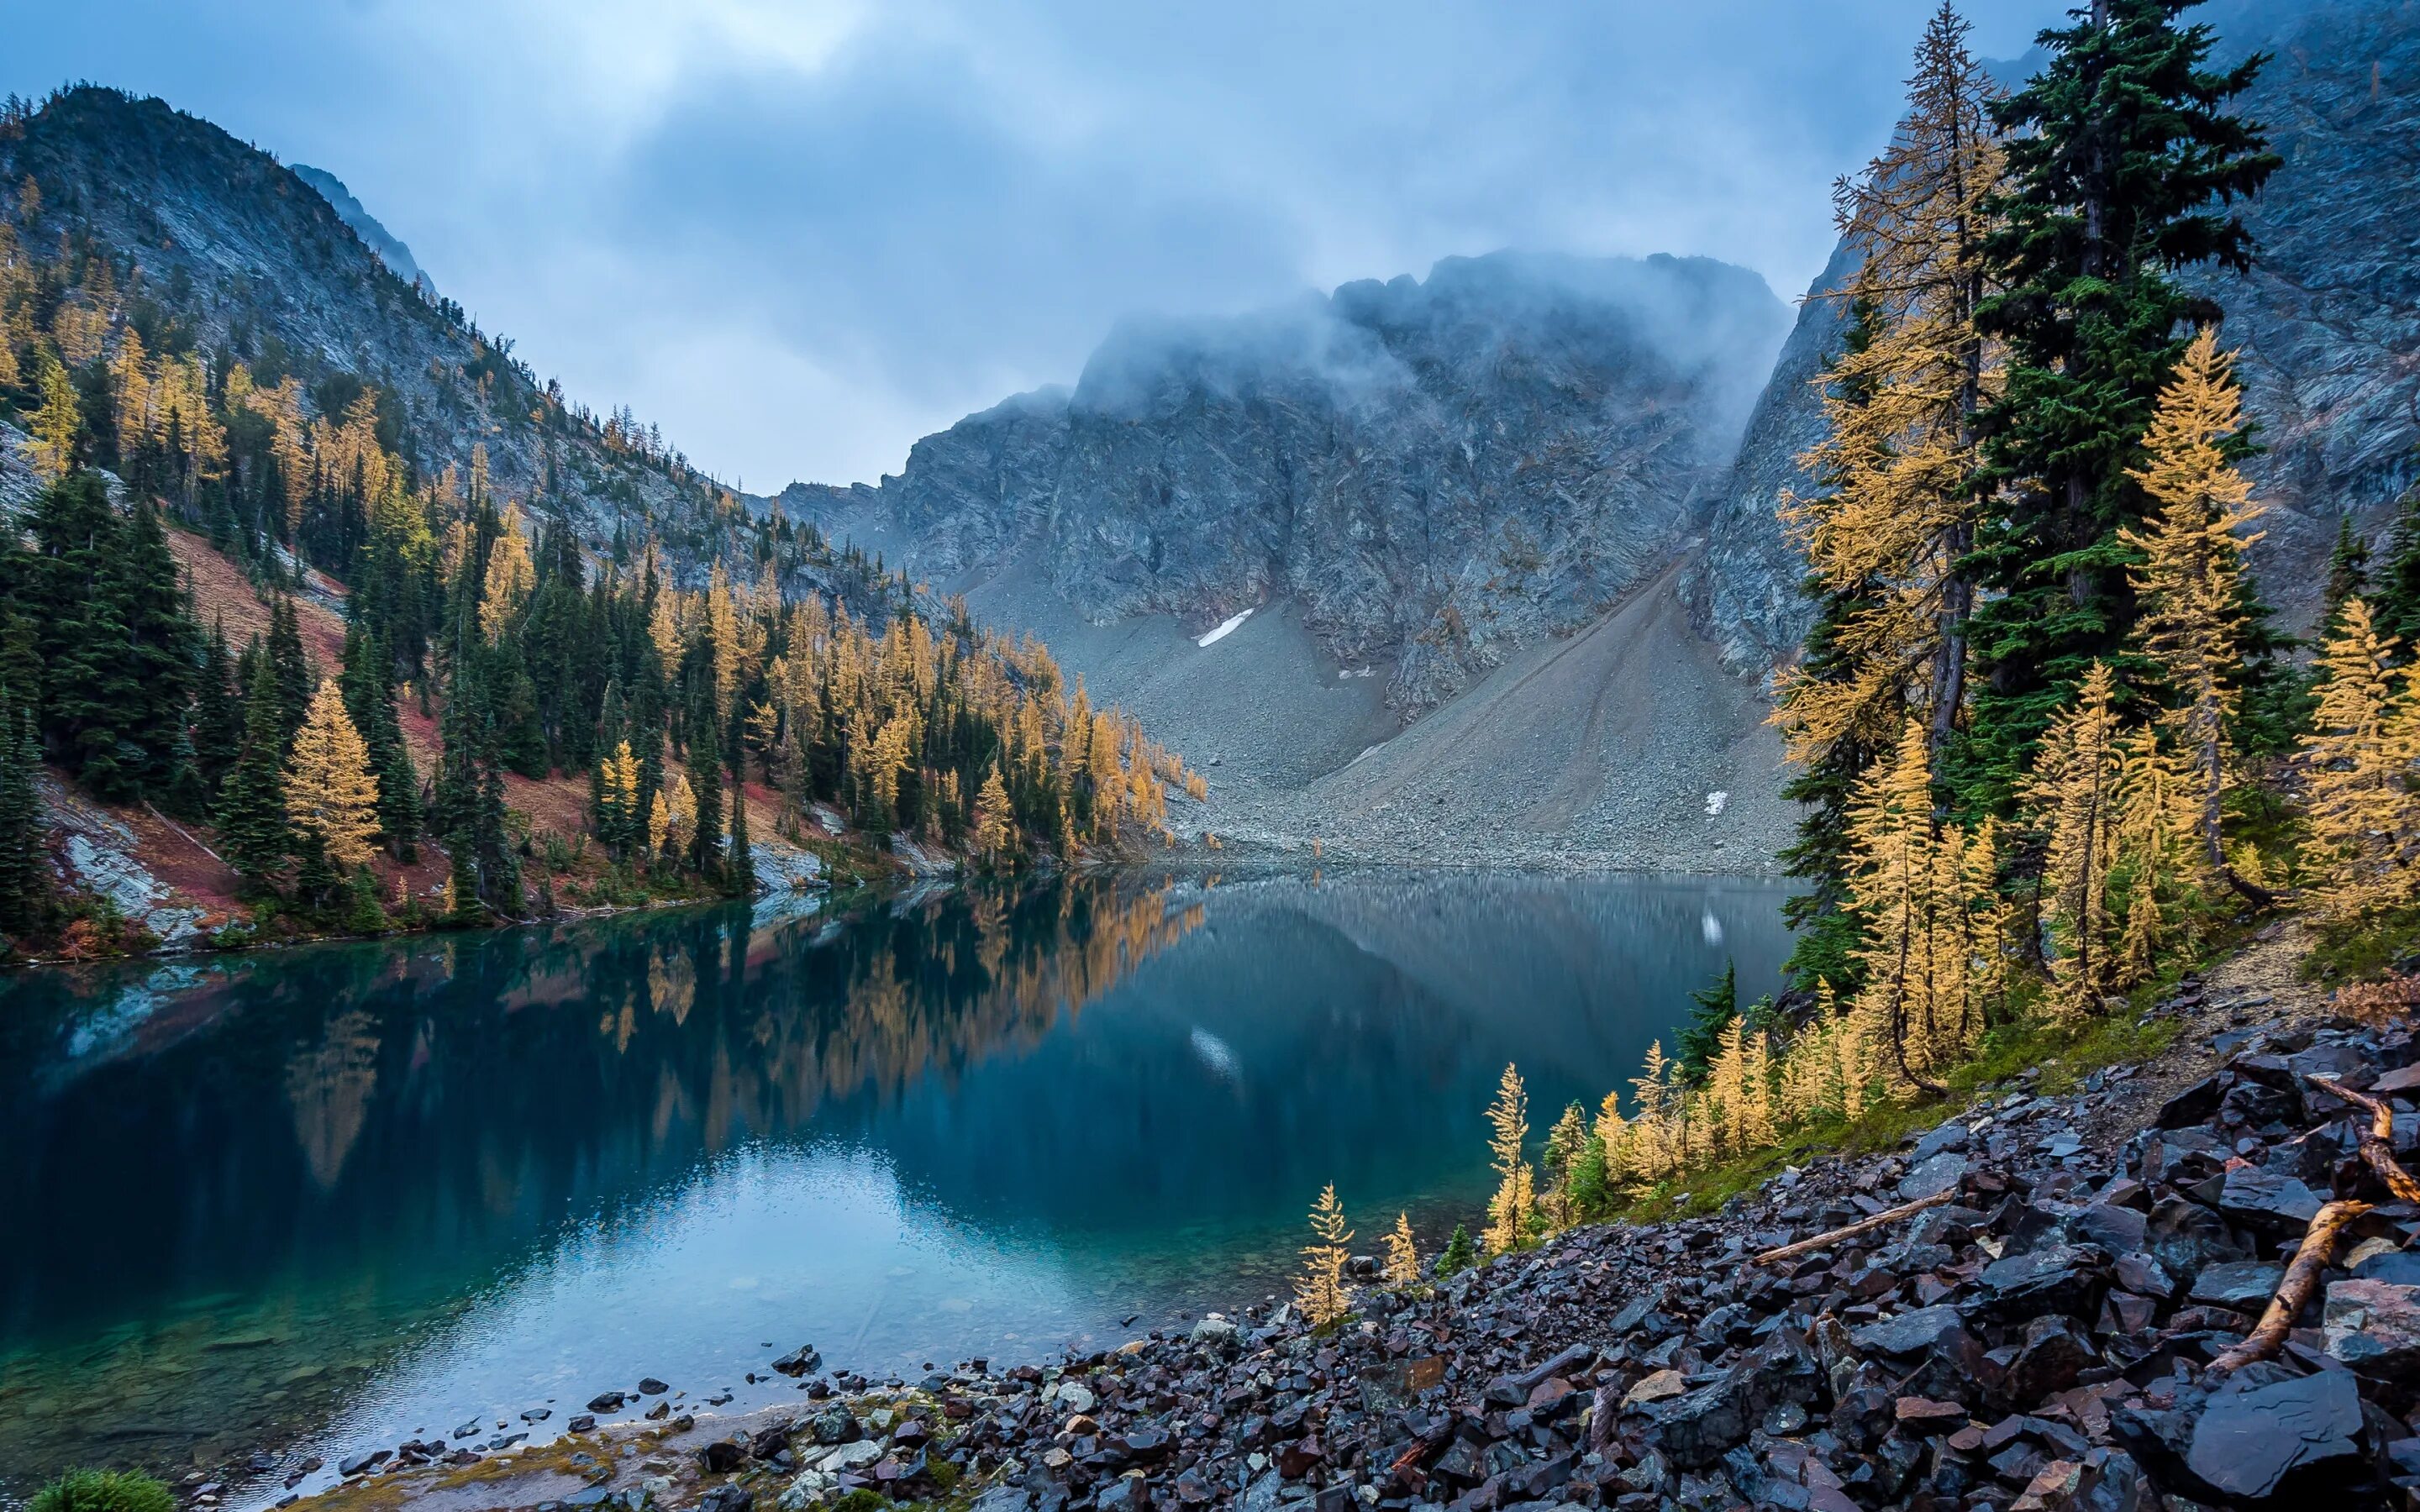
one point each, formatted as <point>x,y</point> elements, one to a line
<point>1436,470</point>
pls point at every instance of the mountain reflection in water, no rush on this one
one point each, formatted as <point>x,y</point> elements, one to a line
<point>349,1194</point>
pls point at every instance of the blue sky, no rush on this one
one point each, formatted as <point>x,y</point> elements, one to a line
<point>800,235</point>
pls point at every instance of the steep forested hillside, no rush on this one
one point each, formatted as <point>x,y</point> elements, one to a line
<point>211,377</point>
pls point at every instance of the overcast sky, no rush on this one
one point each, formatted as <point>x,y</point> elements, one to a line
<point>800,234</point>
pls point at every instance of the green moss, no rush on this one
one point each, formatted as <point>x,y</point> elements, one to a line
<point>104,1490</point>
<point>2365,949</point>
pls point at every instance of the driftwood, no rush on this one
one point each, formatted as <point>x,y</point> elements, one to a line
<point>1888,1215</point>
<point>2378,1146</point>
<point>2319,1242</point>
<point>2319,1247</point>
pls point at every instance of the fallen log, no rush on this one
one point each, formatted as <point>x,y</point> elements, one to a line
<point>2319,1247</point>
<point>2378,1146</point>
<point>1888,1215</point>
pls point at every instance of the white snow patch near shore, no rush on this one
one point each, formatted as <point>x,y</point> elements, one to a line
<point>1223,631</point>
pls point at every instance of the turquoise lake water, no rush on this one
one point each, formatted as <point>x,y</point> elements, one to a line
<point>336,1196</point>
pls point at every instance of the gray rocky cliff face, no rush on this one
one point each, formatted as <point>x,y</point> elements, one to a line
<point>2328,322</point>
<point>251,260</point>
<point>1437,472</point>
<point>374,235</point>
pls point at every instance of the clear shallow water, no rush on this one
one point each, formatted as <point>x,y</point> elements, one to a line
<point>332,1197</point>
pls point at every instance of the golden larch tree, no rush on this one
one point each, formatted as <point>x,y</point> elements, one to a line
<point>2073,793</point>
<point>2190,581</point>
<point>2363,812</point>
<point>510,576</point>
<point>1320,1290</point>
<point>1508,1121</point>
<point>56,421</point>
<point>330,791</point>
<point>1403,1255</point>
<point>1901,449</point>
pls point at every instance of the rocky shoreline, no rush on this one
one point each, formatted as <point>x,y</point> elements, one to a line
<point>2041,1335</point>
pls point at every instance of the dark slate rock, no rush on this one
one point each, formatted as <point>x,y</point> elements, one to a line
<point>2118,1230</point>
<point>2243,1284</point>
<point>2196,1104</point>
<point>2258,1104</point>
<point>2185,1236</point>
<point>2054,1352</point>
<point>2402,1268</point>
<point>1909,1332</point>
<point>1948,1136</point>
<point>1693,1430</point>
<point>2145,1276</point>
<point>2286,1442</point>
<point>607,1401</point>
<point>1931,1177</point>
<point>2268,1201</point>
<point>799,1361</point>
<point>2056,1278</point>
<point>2374,1327</point>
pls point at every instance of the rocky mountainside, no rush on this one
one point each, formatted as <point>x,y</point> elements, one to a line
<point>247,258</point>
<point>2328,321</point>
<point>1437,472</point>
<point>374,235</point>
<point>1284,538</point>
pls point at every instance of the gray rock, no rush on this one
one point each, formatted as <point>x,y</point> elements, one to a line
<point>2290,1440</point>
<point>2056,1278</point>
<point>2268,1201</point>
<point>2243,1285</point>
<point>1908,1334</point>
<point>799,1362</point>
<point>1693,1430</point>
<point>1931,1177</point>
<point>1947,1136</point>
<point>2374,1327</point>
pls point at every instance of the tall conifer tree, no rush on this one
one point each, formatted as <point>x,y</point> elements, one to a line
<point>2128,168</point>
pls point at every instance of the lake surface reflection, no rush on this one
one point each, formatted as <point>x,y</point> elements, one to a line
<point>332,1197</point>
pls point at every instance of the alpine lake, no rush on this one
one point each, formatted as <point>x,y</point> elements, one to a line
<point>324,1199</point>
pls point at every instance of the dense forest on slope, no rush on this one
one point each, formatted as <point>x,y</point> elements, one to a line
<point>569,600</point>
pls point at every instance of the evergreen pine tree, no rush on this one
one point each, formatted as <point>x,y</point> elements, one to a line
<point>1459,1254</point>
<point>2348,575</point>
<point>291,664</point>
<point>2394,606</point>
<point>1710,1011</point>
<point>2127,165</point>
<point>23,874</point>
<point>252,834</point>
<point>80,623</point>
<point>218,713</point>
<point>161,645</point>
<point>740,880</point>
